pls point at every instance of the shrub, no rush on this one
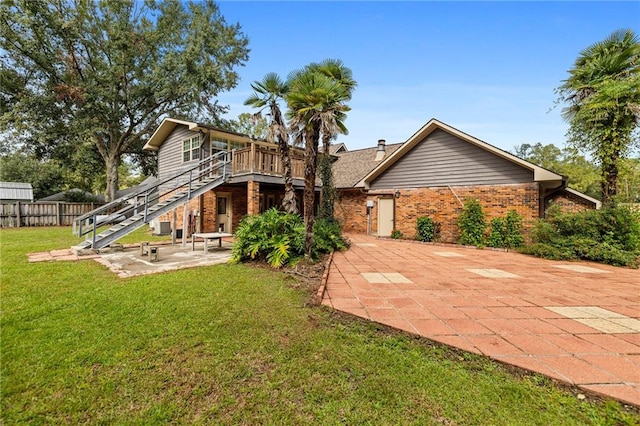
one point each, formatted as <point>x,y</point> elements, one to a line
<point>328,236</point>
<point>472,224</point>
<point>427,229</point>
<point>278,238</point>
<point>549,251</point>
<point>513,230</point>
<point>496,233</point>
<point>396,235</point>
<point>274,236</point>
<point>610,235</point>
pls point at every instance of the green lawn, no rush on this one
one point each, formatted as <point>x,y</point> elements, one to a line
<point>234,345</point>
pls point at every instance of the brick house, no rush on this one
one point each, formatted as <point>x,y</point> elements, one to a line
<point>388,187</point>
<point>254,183</point>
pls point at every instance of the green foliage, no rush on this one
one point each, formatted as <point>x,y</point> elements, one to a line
<point>472,224</point>
<point>496,236</point>
<point>103,72</point>
<point>269,93</point>
<point>273,236</point>
<point>610,235</point>
<point>328,236</point>
<point>513,230</point>
<point>549,251</point>
<point>278,238</point>
<point>317,101</point>
<point>427,229</point>
<point>506,232</point>
<point>254,125</point>
<point>45,177</point>
<point>396,234</point>
<point>604,103</point>
<point>582,174</point>
<point>329,192</point>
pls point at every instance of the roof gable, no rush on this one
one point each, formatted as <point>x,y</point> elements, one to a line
<point>539,174</point>
<point>169,124</point>
<point>442,159</point>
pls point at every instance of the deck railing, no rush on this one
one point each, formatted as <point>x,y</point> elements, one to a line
<point>259,160</point>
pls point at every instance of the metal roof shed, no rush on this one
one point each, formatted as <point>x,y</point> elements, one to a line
<point>16,191</point>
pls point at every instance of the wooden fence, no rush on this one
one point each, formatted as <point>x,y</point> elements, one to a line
<point>55,213</point>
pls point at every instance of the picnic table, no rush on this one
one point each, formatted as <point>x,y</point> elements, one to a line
<point>206,236</point>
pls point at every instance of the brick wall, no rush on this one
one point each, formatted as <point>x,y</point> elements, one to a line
<point>192,206</point>
<point>351,211</point>
<point>569,202</point>
<point>440,204</point>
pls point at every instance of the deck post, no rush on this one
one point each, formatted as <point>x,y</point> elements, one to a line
<point>185,224</point>
<point>253,157</point>
<point>253,197</point>
<point>175,223</point>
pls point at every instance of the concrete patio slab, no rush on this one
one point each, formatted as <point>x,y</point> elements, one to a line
<point>128,262</point>
<point>575,322</point>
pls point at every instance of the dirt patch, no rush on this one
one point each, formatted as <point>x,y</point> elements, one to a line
<point>310,278</point>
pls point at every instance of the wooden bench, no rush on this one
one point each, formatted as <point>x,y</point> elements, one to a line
<point>206,236</point>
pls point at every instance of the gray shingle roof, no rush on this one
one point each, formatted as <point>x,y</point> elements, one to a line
<point>352,166</point>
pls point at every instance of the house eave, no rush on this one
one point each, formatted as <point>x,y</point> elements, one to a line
<point>164,130</point>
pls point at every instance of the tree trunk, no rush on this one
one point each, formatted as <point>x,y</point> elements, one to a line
<point>289,201</point>
<point>312,136</point>
<point>609,182</point>
<point>610,171</point>
<point>112,162</point>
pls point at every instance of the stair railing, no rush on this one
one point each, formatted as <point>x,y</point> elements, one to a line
<point>128,205</point>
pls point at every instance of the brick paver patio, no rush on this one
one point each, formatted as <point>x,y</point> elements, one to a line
<point>577,322</point>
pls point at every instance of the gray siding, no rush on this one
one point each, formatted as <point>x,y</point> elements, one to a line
<point>442,159</point>
<point>170,152</point>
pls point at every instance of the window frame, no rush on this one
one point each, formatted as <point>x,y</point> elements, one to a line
<point>191,150</point>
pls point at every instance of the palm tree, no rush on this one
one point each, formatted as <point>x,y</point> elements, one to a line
<point>336,70</point>
<point>604,102</point>
<point>267,93</point>
<point>316,108</point>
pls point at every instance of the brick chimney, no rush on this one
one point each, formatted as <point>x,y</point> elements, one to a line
<point>381,152</point>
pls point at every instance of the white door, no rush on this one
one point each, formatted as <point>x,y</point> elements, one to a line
<point>385,217</point>
<point>224,213</point>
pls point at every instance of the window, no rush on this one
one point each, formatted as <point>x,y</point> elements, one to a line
<point>191,149</point>
<point>218,145</point>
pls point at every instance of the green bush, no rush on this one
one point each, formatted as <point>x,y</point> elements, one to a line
<point>427,229</point>
<point>472,224</point>
<point>513,230</point>
<point>278,238</point>
<point>274,236</point>
<point>549,251</point>
<point>396,235</point>
<point>328,236</point>
<point>610,235</point>
<point>496,236</point>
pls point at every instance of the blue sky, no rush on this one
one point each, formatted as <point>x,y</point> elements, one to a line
<point>486,68</point>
